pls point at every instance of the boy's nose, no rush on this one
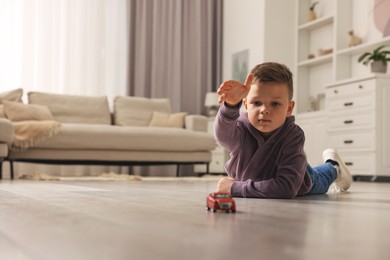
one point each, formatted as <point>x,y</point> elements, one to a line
<point>264,110</point>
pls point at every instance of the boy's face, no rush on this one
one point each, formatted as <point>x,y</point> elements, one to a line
<point>268,106</point>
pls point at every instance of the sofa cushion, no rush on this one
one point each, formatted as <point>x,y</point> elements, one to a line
<point>2,114</point>
<point>3,150</point>
<point>74,109</point>
<point>7,131</point>
<point>167,120</point>
<point>16,111</point>
<point>105,137</point>
<point>137,111</point>
<point>12,95</point>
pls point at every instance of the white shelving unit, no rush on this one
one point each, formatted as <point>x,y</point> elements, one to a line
<point>335,18</point>
<point>312,36</point>
<point>329,31</point>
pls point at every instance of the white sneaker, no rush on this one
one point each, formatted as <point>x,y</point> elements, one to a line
<point>344,177</point>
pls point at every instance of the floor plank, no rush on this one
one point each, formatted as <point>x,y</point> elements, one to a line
<point>168,220</point>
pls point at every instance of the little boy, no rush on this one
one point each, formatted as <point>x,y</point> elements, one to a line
<point>265,145</point>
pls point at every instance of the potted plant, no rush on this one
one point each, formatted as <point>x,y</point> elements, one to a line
<point>378,59</point>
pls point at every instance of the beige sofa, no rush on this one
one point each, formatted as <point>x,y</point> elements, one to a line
<point>6,134</point>
<point>138,131</point>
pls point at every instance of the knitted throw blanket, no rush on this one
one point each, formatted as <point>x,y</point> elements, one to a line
<point>30,133</point>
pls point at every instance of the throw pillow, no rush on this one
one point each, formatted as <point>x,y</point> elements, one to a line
<point>137,111</point>
<point>16,111</point>
<point>12,95</point>
<point>168,120</point>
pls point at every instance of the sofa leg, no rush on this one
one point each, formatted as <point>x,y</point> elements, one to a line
<point>207,168</point>
<point>178,170</point>
<point>11,164</point>
<point>1,168</point>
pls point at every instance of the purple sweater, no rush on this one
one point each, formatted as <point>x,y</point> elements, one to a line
<point>271,168</point>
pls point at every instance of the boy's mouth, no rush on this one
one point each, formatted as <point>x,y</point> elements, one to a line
<point>262,120</point>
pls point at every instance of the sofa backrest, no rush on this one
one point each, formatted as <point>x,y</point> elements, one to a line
<point>73,108</point>
<point>138,111</point>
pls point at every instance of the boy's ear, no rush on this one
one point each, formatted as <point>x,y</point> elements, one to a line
<point>245,104</point>
<point>290,108</point>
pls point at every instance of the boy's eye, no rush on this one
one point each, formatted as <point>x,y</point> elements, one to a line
<point>275,104</point>
<point>257,103</point>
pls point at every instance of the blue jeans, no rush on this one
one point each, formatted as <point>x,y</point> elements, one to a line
<point>322,177</point>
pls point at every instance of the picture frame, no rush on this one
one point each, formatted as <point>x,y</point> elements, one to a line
<point>240,65</point>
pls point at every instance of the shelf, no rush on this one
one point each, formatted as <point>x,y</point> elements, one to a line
<point>316,23</point>
<point>365,47</point>
<point>316,61</point>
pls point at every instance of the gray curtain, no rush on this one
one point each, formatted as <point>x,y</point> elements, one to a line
<point>175,51</point>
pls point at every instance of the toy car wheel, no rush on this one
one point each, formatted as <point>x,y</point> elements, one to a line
<point>233,211</point>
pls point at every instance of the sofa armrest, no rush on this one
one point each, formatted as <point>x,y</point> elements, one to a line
<point>196,123</point>
<point>7,131</point>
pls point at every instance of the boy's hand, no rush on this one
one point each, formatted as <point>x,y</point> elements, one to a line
<point>232,91</point>
<point>225,184</point>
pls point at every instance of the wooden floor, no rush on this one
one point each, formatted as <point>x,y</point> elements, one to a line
<point>167,220</point>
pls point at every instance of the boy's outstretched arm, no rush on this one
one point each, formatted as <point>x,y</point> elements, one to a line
<point>233,92</point>
<point>225,184</point>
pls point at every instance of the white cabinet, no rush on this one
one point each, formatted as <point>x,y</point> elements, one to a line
<point>359,123</point>
<point>219,156</point>
<point>314,126</point>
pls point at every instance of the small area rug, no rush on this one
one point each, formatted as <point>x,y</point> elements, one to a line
<point>115,176</point>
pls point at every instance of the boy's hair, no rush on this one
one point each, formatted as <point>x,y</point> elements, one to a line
<point>273,72</point>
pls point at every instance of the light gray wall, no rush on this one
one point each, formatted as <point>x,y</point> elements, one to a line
<point>265,27</point>
<point>243,28</point>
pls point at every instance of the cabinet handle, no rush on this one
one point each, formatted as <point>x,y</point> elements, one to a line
<point>349,163</point>
<point>348,141</point>
<point>348,104</point>
<point>335,91</point>
<point>348,122</point>
<point>360,86</point>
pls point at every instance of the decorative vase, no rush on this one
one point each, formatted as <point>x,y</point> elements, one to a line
<point>312,15</point>
<point>378,67</point>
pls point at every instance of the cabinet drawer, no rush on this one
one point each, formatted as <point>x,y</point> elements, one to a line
<point>351,88</point>
<point>345,121</point>
<point>362,100</point>
<point>362,164</point>
<point>364,140</point>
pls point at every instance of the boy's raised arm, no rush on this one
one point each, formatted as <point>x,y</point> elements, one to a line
<point>231,93</point>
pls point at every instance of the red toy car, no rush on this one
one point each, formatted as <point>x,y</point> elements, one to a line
<point>220,201</point>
